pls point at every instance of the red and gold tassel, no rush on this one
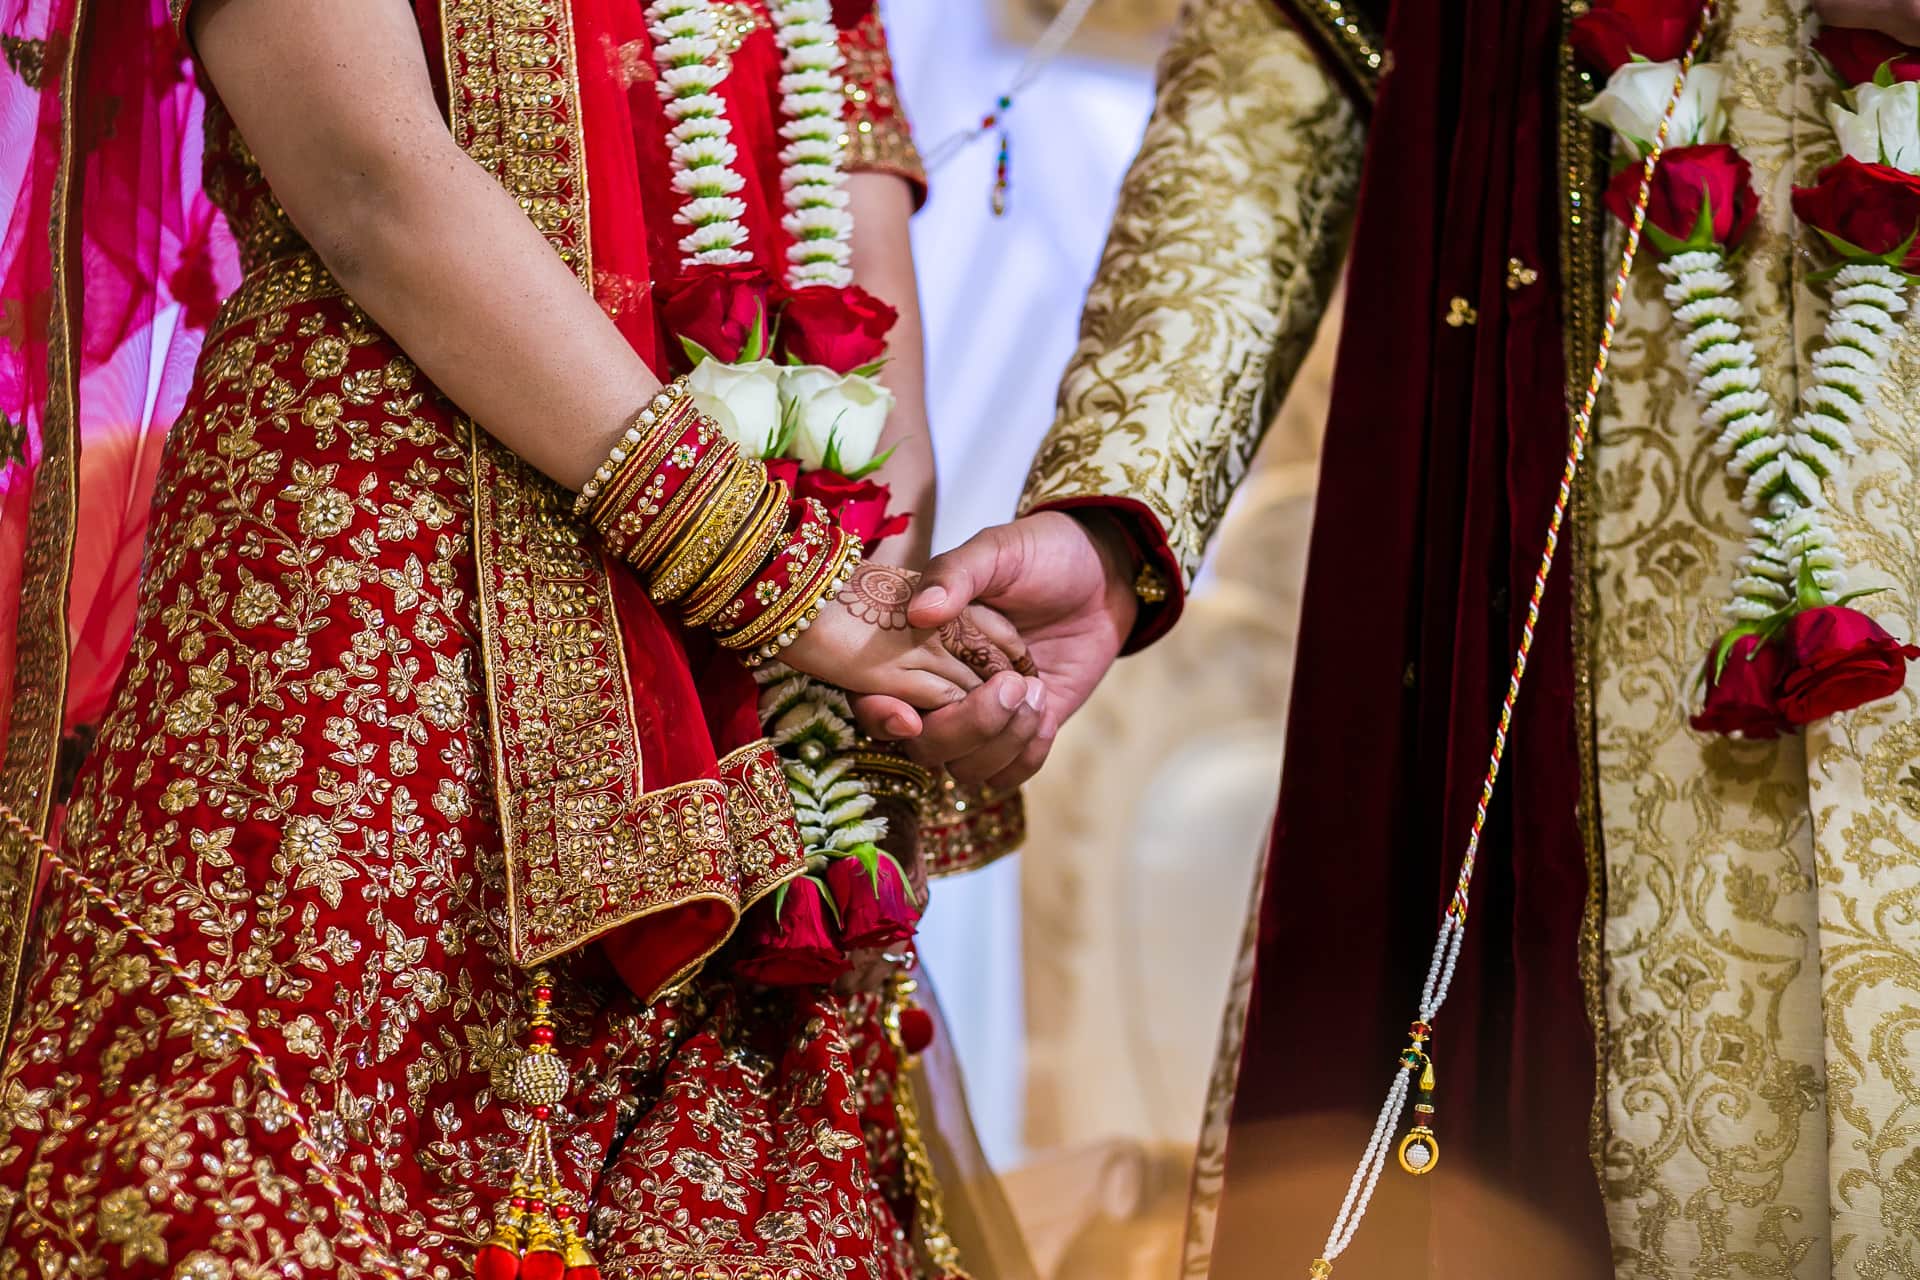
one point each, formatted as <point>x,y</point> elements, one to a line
<point>536,1235</point>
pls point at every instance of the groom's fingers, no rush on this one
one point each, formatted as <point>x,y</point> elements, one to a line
<point>1005,750</point>
<point>886,719</point>
<point>1028,762</point>
<point>1000,707</point>
<point>980,566</point>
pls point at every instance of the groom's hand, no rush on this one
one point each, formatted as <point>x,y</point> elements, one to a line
<point>1066,584</point>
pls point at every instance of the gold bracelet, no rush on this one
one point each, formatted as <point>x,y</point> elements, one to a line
<point>710,469</point>
<point>693,556</point>
<point>629,440</point>
<point>804,593</point>
<point>749,552</point>
<point>643,466</point>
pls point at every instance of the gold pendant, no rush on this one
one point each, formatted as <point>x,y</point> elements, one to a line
<point>1420,1150</point>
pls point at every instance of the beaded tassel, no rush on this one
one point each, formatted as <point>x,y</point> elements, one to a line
<point>536,1237</point>
<point>1420,1149</point>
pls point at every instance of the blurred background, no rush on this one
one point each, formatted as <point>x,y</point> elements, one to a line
<point>1085,980</point>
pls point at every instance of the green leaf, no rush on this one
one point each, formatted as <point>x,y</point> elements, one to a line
<point>789,423</point>
<point>1862,594</point>
<point>694,350</point>
<point>1806,592</point>
<point>905,883</point>
<point>780,900</point>
<point>756,347</point>
<point>872,466</point>
<point>868,855</point>
<point>871,370</point>
<point>1883,75</point>
<point>1724,650</point>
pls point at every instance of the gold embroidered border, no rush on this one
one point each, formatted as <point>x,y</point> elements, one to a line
<point>878,136</point>
<point>587,848</point>
<point>1582,239</point>
<point>40,657</point>
<point>513,101</point>
<point>1349,36</point>
<point>966,828</point>
<point>280,283</point>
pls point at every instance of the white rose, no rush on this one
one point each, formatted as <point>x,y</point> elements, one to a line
<point>844,413</point>
<point>1636,97</point>
<point>744,399</point>
<point>1884,127</point>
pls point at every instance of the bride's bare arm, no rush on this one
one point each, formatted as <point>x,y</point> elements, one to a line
<point>336,101</point>
<point>883,265</point>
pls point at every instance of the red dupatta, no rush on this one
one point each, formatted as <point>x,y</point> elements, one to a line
<point>111,266</point>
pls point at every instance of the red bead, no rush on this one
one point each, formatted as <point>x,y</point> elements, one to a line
<point>543,1264</point>
<point>1422,1030</point>
<point>987,122</point>
<point>563,1211</point>
<point>542,1111</point>
<point>518,1202</point>
<point>495,1262</point>
<point>543,993</point>
<point>543,1035</point>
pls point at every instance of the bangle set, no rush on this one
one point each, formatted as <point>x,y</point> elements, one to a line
<point>710,529</point>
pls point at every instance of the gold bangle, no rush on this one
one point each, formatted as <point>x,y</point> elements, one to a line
<point>846,557</point>
<point>801,600</point>
<point>709,470</point>
<point>642,466</point>
<point>636,431</point>
<point>749,552</point>
<point>689,560</point>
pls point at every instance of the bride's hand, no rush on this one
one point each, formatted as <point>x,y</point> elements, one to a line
<point>863,643</point>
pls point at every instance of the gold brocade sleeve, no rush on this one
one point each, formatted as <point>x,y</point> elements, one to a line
<point>1230,230</point>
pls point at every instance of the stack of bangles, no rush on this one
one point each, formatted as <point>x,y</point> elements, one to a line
<point>711,531</point>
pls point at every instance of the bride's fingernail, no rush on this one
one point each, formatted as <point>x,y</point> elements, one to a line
<point>900,727</point>
<point>931,598</point>
<point>1036,694</point>
<point>1011,695</point>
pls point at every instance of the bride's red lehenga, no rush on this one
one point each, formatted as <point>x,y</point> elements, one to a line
<point>389,734</point>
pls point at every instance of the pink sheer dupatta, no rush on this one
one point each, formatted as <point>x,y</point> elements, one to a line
<point>112,265</point>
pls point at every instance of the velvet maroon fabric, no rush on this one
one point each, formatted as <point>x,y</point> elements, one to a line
<point>1442,455</point>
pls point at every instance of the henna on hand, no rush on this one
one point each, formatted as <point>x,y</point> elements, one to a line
<point>964,639</point>
<point>877,595</point>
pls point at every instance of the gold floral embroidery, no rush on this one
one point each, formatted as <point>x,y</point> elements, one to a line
<point>878,138</point>
<point>1252,156</point>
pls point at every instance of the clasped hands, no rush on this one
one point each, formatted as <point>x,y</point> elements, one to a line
<point>975,663</point>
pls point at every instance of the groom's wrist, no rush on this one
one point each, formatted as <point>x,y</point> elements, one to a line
<point>1139,563</point>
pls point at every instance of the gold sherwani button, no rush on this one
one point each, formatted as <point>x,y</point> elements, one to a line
<point>1519,274</point>
<point>1460,312</point>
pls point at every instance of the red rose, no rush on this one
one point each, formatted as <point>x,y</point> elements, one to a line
<point>1744,701</point>
<point>1612,31</point>
<point>1857,54</point>
<point>1864,209</point>
<point>858,506</point>
<point>1839,659</point>
<point>717,307</point>
<point>876,907</point>
<point>842,329</point>
<point>789,941</point>
<point>1713,175</point>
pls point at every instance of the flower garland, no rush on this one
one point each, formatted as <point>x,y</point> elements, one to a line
<point>1795,652</point>
<point>815,413</point>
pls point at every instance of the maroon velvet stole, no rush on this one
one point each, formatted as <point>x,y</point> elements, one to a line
<point>1443,450</point>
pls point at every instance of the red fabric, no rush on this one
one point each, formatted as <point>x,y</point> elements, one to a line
<point>1434,491</point>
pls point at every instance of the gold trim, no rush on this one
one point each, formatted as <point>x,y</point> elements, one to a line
<point>32,759</point>
<point>930,1220</point>
<point>1582,239</point>
<point>1351,38</point>
<point>283,282</point>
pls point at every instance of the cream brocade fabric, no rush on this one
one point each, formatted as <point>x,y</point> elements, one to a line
<point>1762,938</point>
<point>1763,900</point>
<point>1229,234</point>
